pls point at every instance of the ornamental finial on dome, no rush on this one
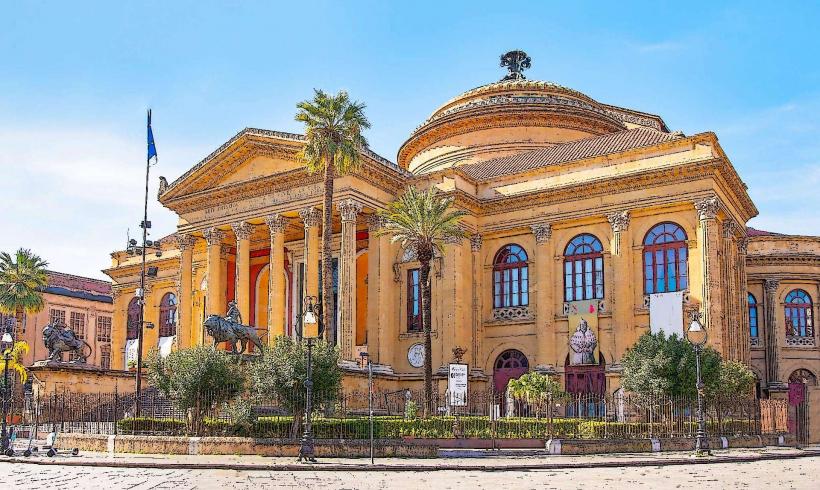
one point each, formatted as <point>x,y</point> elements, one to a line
<point>516,62</point>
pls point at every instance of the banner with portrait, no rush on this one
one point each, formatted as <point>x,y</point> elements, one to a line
<point>583,332</point>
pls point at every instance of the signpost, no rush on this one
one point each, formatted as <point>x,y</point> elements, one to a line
<point>457,385</point>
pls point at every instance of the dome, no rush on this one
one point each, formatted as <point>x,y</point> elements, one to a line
<point>504,118</point>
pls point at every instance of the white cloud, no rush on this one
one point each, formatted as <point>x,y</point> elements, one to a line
<point>70,194</point>
<point>777,153</point>
<point>658,47</point>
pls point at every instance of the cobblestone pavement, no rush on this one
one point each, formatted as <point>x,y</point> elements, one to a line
<point>774,474</point>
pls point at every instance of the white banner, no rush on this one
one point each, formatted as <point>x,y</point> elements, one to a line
<point>666,313</point>
<point>457,385</point>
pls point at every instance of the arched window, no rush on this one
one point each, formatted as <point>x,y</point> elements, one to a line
<point>665,259</point>
<point>133,325</point>
<point>583,269</point>
<point>753,331</point>
<point>799,322</point>
<point>510,277</point>
<point>168,315</point>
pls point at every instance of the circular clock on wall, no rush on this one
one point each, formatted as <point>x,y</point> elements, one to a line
<point>415,355</point>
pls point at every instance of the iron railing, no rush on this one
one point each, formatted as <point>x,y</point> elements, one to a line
<point>397,414</point>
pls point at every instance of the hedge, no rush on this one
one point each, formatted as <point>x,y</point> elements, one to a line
<point>435,428</point>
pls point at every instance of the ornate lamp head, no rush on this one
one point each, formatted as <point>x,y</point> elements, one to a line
<point>516,62</point>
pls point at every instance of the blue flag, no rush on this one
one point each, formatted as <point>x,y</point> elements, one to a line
<point>152,148</point>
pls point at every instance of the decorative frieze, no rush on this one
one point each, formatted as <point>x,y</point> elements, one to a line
<point>795,341</point>
<point>542,232</point>
<point>243,230</point>
<point>213,236</point>
<point>707,208</point>
<point>311,217</point>
<point>619,220</point>
<point>513,313</point>
<point>349,209</point>
<point>452,240</point>
<point>277,223</point>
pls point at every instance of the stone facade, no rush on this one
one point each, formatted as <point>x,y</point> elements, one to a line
<point>83,304</point>
<point>534,165</point>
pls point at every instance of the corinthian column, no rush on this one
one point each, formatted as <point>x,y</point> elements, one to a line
<point>622,300</point>
<point>349,209</point>
<point>276,277</point>
<point>770,334</point>
<point>185,332</point>
<point>708,245</point>
<point>311,218</point>
<point>213,298</point>
<point>243,231</point>
<point>374,224</point>
<point>545,334</point>
<point>476,245</point>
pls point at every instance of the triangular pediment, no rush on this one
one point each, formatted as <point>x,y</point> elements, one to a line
<point>250,155</point>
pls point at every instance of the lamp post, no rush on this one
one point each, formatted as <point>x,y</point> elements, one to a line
<point>365,361</point>
<point>310,328</point>
<point>7,343</point>
<point>697,335</point>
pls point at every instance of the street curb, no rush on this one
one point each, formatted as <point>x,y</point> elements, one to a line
<point>413,467</point>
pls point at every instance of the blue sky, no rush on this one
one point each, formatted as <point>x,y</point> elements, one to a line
<point>76,78</point>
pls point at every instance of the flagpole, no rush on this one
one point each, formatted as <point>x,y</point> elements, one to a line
<point>144,225</point>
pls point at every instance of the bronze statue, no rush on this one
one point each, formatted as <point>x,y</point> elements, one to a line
<point>59,339</point>
<point>516,62</point>
<point>228,330</point>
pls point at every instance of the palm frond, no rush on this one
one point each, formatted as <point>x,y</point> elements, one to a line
<point>333,132</point>
<point>22,279</point>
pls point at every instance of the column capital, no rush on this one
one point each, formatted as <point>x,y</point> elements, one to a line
<point>311,217</point>
<point>243,230</point>
<point>475,242</point>
<point>707,208</point>
<point>213,235</point>
<point>276,222</point>
<point>349,209</point>
<point>374,223</point>
<point>771,285</point>
<point>619,220</point>
<point>730,228</point>
<point>743,245</point>
<point>542,232</point>
<point>184,241</point>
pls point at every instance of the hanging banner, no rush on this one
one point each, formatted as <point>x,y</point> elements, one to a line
<point>583,332</point>
<point>457,385</point>
<point>666,313</point>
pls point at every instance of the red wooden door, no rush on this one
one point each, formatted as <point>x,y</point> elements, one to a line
<point>511,364</point>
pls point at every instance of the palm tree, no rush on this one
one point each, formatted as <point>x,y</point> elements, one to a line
<point>22,278</point>
<point>421,221</point>
<point>333,142</point>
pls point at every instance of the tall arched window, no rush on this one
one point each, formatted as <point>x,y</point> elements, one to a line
<point>753,331</point>
<point>583,269</point>
<point>799,321</point>
<point>510,277</point>
<point>665,259</point>
<point>168,315</point>
<point>133,325</point>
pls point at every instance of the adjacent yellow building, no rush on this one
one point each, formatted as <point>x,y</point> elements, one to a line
<point>578,212</point>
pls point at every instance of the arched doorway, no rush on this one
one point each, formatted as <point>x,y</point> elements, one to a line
<point>798,422</point>
<point>510,364</point>
<point>588,385</point>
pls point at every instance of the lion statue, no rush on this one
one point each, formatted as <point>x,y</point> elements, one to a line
<point>59,339</point>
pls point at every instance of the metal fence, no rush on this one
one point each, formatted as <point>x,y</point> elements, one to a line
<point>397,414</point>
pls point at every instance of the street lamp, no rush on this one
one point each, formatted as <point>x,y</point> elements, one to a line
<point>134,249</point>
<point>6,345</point>
<point>310,328</point>
<point>697,335</point>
